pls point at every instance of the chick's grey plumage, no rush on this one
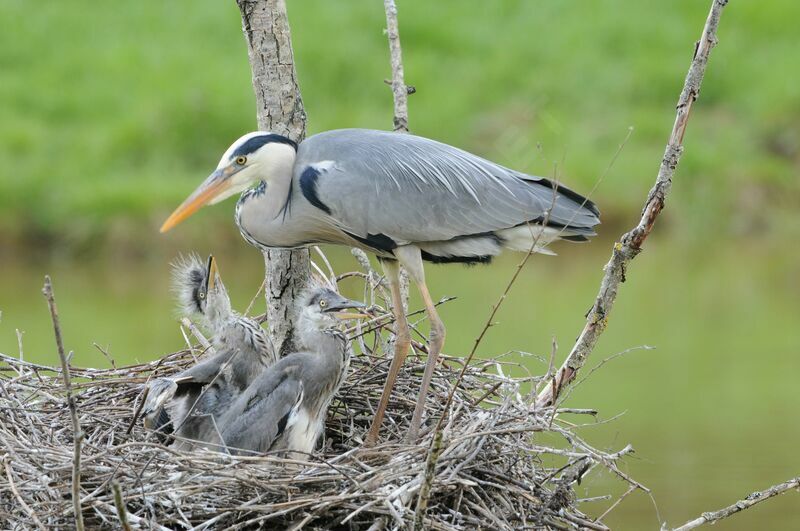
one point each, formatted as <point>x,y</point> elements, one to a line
<point>192,400</point>
<point>284,409</point>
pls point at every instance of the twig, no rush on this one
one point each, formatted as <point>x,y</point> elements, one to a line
<point>77,435</point>
<point>255,297</point>
<point>198,335</point>
<point>617,502</point>
<point>631,243</point>
<point>25,506</point>
<point>741,505</point>
<point>427,481</point>
<point>119,503</point>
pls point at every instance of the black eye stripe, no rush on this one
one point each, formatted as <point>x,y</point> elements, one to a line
<point>255,143</point>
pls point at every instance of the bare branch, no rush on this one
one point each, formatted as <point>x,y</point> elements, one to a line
<point>741,505</point>
<point>400,92</point>
<point>77,435</point>
<point>20,500</point>
<point>399,88</point>
<point>631,243</point>
<point>119,503</point>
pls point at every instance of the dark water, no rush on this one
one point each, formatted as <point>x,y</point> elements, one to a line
<point>712,412</point>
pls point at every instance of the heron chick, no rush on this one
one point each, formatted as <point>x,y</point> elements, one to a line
<point>285,407</point>
<point>189,403</point>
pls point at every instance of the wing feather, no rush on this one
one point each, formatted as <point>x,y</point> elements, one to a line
<point>258,416</point>
<point>413,189</point>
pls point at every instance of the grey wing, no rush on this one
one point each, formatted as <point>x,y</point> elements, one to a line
<point>260,416</point>
<point>169,399</point>
<point>205,371</point>
<point>413,189</point>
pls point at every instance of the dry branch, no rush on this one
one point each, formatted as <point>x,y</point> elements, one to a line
<point>279,109</point>
<point>631,243</point>
<point>399,88</point>
<point>741,505</point>
<point>400,92</point>
<point>77,435</point>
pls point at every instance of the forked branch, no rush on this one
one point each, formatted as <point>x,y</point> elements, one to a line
<point>631,242</point>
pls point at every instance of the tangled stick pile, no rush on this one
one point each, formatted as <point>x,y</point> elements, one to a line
<point>491,471</point>
<point>497,462</point>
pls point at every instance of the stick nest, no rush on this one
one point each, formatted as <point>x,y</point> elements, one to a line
<point>491,472</point>
<point>495,462</point>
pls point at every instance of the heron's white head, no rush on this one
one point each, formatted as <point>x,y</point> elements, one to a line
<point>254,157</point>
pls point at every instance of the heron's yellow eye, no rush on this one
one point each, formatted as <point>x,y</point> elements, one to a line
<point>202,295</point>
<point>323,303</point>
<point>241,160</point>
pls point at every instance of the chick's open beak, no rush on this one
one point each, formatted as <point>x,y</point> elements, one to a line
<point>212,273</point>
<point>214,186</point>
<point>347,304</point>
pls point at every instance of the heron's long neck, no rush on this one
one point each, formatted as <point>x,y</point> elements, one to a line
<point>261,212</point>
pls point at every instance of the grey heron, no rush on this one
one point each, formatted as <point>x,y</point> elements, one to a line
<point>405,198</point>
<point>285,407</point>
<point>190,401</point>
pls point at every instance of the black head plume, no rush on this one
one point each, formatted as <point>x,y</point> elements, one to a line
<point>190,283</point>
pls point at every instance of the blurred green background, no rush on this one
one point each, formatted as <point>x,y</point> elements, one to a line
<point>110,113</point>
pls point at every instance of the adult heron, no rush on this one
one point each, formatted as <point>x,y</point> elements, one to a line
<point>189,402</point>
<point>405,198</point>
<point>285,407</point>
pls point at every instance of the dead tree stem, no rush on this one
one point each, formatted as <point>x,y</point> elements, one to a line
<point>280,110</point>
<point>399,88</point>
<point>631,242</point>
<point>400,93</point>
<point>77,435</point>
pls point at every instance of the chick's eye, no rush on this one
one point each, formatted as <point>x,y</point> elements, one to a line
<point>241,160</point>
<point>323,303</point>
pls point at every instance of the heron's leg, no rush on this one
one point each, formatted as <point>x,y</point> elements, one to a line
<point>401,344</point>
<point>410,258</point>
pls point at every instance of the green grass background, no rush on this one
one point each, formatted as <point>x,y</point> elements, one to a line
<point>110,113</point>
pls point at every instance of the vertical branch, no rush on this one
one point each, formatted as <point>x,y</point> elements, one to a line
<point>400,92</point>
<point>427,481</point>
<point>279,109</point>
<point>631,243</point>
<point>77,435</point>
<point>119,503</point>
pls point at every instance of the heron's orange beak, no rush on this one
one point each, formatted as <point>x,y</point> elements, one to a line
<point>216,184</point>
<point>212,273</point>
